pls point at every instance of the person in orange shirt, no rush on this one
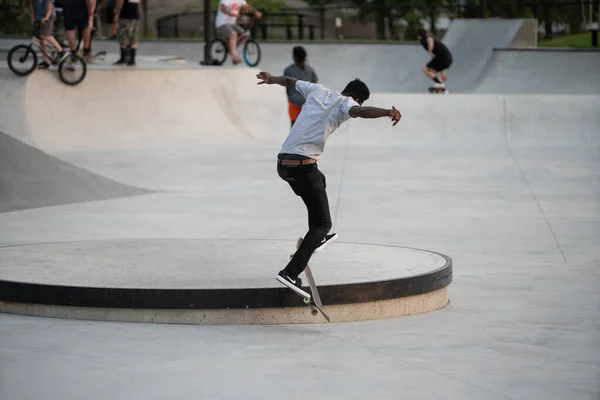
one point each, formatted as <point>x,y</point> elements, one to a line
<point>301,71</point>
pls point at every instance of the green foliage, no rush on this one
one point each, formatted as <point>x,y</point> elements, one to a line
<point>579,41</point>
<point>15,18</point>
<point>413,24</point>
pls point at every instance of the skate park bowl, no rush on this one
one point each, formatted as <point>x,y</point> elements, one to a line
<point>151,194</point>
<point>121,269</point>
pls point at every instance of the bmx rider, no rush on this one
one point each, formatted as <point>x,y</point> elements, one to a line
<point>226,24</point>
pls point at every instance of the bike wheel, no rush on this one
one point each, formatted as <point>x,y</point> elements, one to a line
<point>252,52</point>
<point>72,69</point>
<point>218,51</point>
<point>17,58</point>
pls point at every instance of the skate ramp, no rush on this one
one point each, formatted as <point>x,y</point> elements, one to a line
<point>492,121</point>
<point>30,178</point>
<point>159,110</point>
<point>141,109</point>
<point>462,173</point>
<point>542,72</point>
<point>397,68</point>
<point>384,67</point>
<point>471,43</point>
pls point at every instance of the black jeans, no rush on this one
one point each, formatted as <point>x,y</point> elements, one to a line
<point>308,183</point>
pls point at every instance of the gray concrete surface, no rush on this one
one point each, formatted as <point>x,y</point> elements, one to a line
<point>471,43</point>
<point>508,186</point>
<point>202,263</point>
<point>30,178</point>
<point>542,72</point>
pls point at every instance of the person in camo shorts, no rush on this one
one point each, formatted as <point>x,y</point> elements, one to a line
<point>43,15</point>
<point>127,14</point>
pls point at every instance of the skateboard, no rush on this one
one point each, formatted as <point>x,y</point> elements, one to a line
<point>99,55</point>
<point>315,301</point>
<point>437,90</point>
<point>173,59</point>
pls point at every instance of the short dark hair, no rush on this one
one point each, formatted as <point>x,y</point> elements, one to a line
<point>357,89</point>
<point>299,54</point>
<point>422,32</point>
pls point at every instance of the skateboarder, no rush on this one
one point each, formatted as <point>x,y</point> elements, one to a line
<point>322,113</point>
<point>299,70</point>
<point>440,59</point>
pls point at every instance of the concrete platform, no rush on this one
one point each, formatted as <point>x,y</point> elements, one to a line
<point>215,281</point>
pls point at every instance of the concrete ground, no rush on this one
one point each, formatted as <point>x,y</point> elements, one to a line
<point>508,186</point>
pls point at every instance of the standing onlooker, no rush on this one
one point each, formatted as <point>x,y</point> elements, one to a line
<point>107,13</point>
<point>78,16</point>
<point>127,14</point>
<point>303,72</point>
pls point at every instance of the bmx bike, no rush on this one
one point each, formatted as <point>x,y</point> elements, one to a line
<point>72,68</point>
<point>219,49</point>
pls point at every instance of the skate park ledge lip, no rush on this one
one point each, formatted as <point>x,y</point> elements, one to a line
<point>13,291</point>
<point>546,50</point>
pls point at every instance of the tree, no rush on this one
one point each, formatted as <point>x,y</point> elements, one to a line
<point>14,17</point>
<point>432,10</point>
<point>320,5</point>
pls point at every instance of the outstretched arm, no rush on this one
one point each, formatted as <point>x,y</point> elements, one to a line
<point>267,78</point>
<point>430,44</point>
<point>375,112</point>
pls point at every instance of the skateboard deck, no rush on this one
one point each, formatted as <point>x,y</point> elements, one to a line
<point>315,301</point>
<point>99,55</point>
<point>94,57</point>
<point>437,90</point>
<point>173,59</point>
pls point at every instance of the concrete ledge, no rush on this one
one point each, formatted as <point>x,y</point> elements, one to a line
<point>216,281</point>
<point>400,307</point>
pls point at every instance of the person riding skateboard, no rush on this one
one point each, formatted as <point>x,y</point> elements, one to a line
<point>322,113</point>
<point>440,59</point>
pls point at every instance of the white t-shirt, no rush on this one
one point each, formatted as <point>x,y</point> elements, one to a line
<point>322,113</point>
<point>233,6</point>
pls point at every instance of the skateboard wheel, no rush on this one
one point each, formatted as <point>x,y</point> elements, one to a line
<point>306,300</point>
<point>314,312</point>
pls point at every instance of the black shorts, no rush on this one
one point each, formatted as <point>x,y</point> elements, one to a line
<point>440,63</point>
<point>76,16</point>
<point>108,15</point>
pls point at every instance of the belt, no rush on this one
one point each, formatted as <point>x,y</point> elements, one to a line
<point>297,163</point>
